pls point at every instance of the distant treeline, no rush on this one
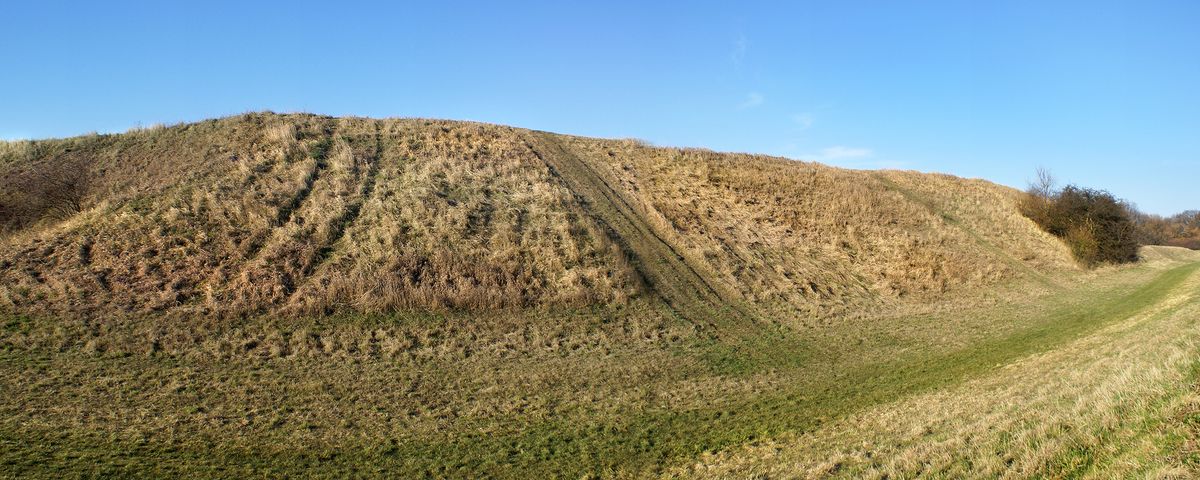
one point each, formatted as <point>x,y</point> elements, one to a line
<point>1182,230</point>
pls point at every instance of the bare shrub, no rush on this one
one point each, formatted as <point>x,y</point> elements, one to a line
<point>1044,185</point>
<point>54,189</point>
<point>1098,227</point>
<point>1038,199</point>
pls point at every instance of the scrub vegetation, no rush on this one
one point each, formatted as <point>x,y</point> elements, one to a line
<point>1180,230</point>
<point>1097,226</point>
<point>296,295</point>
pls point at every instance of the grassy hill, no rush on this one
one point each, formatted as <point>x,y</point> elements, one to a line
<point>273,295</point>
<point>301,214</point>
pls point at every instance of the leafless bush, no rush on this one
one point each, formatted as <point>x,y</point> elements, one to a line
<point>54,189</point>
<point>1096,225</point>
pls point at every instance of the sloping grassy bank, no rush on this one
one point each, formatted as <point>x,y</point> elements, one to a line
<point>627,411</point>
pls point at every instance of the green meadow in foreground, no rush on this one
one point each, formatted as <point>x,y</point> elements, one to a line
<point>266,296</point>
<point>645,409</point>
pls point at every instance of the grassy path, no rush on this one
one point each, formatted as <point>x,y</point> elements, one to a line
<point>738,339</point>
<point>665,271</point>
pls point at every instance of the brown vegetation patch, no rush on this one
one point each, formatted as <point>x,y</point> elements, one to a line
<point>316,215</point>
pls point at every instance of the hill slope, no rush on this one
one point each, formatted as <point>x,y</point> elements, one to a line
<point>266,213</point>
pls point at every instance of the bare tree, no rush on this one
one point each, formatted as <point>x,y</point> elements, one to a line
<point>1043,185</point>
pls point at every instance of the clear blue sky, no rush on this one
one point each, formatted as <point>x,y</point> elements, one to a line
<point>1105,94</point>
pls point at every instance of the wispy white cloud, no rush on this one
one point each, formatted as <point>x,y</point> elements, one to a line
<point>803,121</point>
<point>753,99</point>
<point>739,49</point>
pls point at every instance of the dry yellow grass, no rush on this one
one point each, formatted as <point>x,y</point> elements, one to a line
<point>355,214</point>
<point>312,215</point>
<point>826,240</point>
<point>464,216</point>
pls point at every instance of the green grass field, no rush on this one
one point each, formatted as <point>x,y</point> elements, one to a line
<point>627,408</point>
